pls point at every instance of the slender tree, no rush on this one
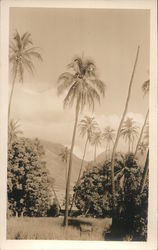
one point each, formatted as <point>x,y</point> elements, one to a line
<point>87,126</point>
<point>64,154</point>
<point>145,89</point>
<point>108,136</point>
<point>96,140</point>
<point>84,88</point>
<point>145,173</point>
<point>21,53</point>
<point>129,131</point>
<point>117,139</point>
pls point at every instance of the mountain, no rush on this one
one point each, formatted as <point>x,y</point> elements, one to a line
<point>56,166</point>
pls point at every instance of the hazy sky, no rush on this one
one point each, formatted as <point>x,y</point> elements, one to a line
<point>110,38</point>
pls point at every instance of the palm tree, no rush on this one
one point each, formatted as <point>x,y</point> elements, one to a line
<point>13,131</point>
<point>96,140</point>
<point>87,126</point>
<point>145,89</point>
<point>142,147</point>
<point>21,53</point>
<point>64,154</point>
<point>108,136</point>
<point>83,89</point>
<point>129,131</point>
<point>116,143</point>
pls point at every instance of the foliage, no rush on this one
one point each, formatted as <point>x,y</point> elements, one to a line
<point>132,205</point>
<point>28,188</point>
<point>129,131</point>
<point>93,192</point>
<point>54,209</point>
<point>21,52</point>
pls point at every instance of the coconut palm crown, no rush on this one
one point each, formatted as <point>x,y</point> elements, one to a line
<point>129,131</point>
<point>83,86</point>
<point>108,136</point>
<point>21,53</point>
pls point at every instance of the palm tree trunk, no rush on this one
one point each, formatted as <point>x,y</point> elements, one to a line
<point>65,173</point>
<point>70,166</point>
<point>141,133</point>
<point>95,152</point>
<point>116,143</point>
<point>56,198</point>
<point>11,94</point>
<point>129,143</point>
<point>74,196</point>
<point>145,173</point>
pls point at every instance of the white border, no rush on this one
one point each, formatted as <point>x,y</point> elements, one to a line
<point>41,244</point>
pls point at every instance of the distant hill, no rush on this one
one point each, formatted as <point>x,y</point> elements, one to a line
<point>56,167</point>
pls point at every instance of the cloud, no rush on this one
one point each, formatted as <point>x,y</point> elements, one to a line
<point>42,115</point>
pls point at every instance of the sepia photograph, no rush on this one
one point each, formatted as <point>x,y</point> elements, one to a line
<point>78,124</point>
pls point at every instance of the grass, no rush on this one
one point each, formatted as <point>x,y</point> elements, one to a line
<point>52,229</point>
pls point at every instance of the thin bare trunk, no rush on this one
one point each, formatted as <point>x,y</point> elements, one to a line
<point>70,166</point>
<point>129,144</point>
<point>145,173</point>
<point>118,135</point>
<point>95,152</point>
<point>141,133</point>
<point>11,94</point>
<point>56,198</point>
<point>74,196</point>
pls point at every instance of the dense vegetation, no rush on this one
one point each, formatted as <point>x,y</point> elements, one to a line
<point>29,191</point>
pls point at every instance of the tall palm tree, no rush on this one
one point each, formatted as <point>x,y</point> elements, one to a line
<point>145,89</point>
<point>96,140</point>
<point>129,131</point>
<point>21,53</point>
<point>87,126</point>
<point>84,88</point>
<point>108,136</point>
<point>116,143</point>
<point>64,154</point>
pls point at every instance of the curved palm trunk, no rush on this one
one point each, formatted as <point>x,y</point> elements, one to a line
<point>141,133</point>
<point>78,179</point>
<point>114,216</point>
<point>145,173</point>
<point>11,94</point>
<point>70,166</point>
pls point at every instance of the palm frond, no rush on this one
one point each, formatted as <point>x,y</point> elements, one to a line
<point>34,54</point>
<point>71,95</point>
<point>100,86</point>
<point>26,39</point>
<point>28,64</point>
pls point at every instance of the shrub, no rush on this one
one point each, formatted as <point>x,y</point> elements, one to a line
<point>28,187</point>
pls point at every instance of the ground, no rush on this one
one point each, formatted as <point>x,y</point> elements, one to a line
<point>52,229</point>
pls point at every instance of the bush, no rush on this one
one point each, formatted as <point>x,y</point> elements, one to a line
<point>93,193</point>
<point>28,187</point>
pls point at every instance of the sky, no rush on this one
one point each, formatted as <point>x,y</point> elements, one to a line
<point>110,38</point>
